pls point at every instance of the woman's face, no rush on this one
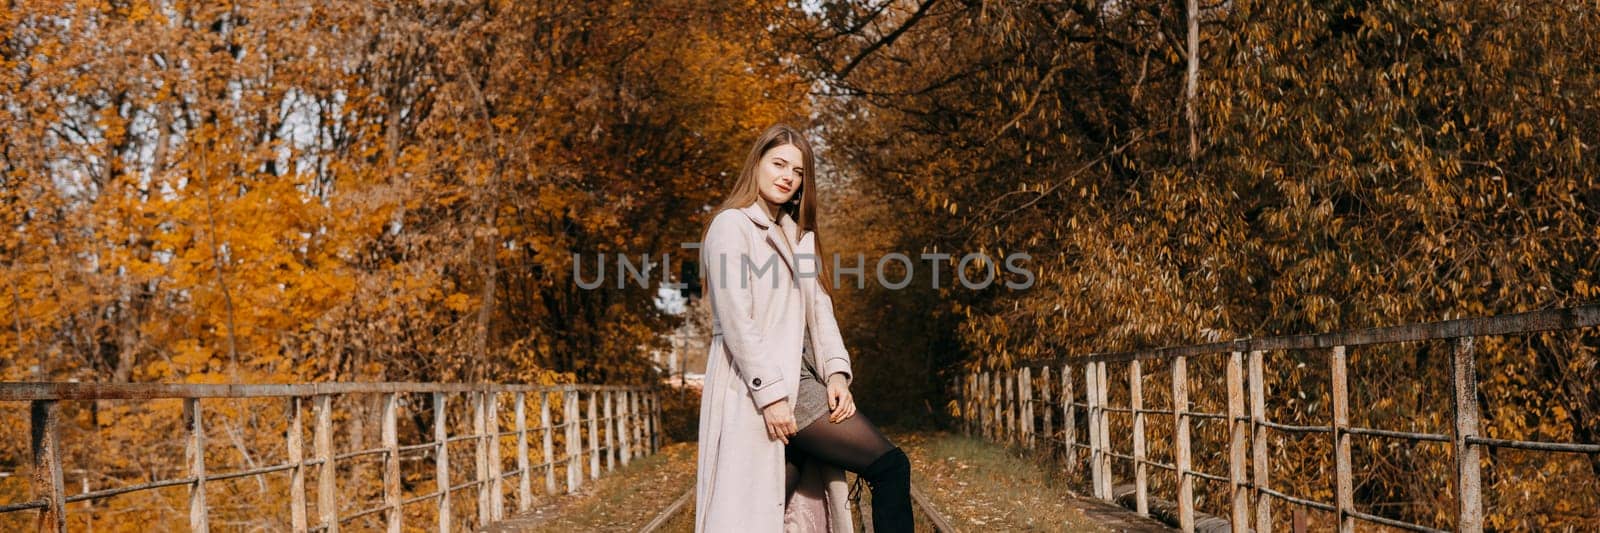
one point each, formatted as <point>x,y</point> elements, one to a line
<point>779,174</point>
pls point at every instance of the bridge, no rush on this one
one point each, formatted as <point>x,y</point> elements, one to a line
<point>1141,440</point>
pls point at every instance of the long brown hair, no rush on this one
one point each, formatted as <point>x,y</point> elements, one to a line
<point>802,208</point>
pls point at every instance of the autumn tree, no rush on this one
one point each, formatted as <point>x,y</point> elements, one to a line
<point>1354,164</point>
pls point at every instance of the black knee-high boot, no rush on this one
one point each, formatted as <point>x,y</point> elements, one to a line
<point>889,476</point>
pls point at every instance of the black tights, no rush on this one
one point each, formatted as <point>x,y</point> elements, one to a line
<point>857,446</point>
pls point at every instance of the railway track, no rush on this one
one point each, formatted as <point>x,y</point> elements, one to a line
<point>681,505</point>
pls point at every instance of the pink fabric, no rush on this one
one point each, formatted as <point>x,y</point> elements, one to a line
<point>758,325</point>
<point>808,506</point>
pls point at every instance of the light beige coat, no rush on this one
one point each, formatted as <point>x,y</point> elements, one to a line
<point>764,292</point>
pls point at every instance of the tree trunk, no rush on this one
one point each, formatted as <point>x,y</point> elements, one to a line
<point>1191,79</point>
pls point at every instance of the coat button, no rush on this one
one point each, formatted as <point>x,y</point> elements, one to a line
<point>756,382</point>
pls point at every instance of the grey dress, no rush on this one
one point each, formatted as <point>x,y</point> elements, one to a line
<point>811,402</point>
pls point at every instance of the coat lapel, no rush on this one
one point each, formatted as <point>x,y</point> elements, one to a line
<point>777,238</point>
<point>774,232</point>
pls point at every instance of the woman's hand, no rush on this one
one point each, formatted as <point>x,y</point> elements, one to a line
<point>840,401</point>
<point>780,420</point>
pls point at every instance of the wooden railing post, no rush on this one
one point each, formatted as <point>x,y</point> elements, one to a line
<point>1010,405</point>
<point>997,406</point>
<point>594,437</point>
<point>391,463</point>
<point>1049,409</point>
<point>629,424</point>
<point>640,411</point>
<point>980,414</point>
<point>977,405</point>
<point>613,423</point>
<point>997,396</point>
<point>481,455</point>
<point>1141,471</point>
<point>638,428</point>
<point>44,422</point>
<point>1469,473</point>
<point>569,420</point>
<point>997,393</point>
<point>983,405</point>
<point>1259,467</point>
<point>655,421</point>
<point>1025,384</point>
<point>548,449</point>
<point>441,459</point>
<point>497,485</point>
<point>322,439</point>
<point>195,453</point>
<point>525,481</point>
<point>1069,418</point>
<point>1091,392</point>
<point>1237,431</point>
<point>1105,431</point>
<point>966,404</point>
<point>1344,487</point>
<point>294,438</point>
<point>1180,444</point>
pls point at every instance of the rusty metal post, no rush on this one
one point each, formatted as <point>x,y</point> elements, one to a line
<point>44,423</point>
<point>1469,473</point>
<point>1259,466</point>
<point>1180,444</point>
<point>1141,471</point>
<point>441,459</point>
<point>1237,430</point>
<point>1344,486</point>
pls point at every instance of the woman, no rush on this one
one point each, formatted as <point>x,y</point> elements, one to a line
<point>774,440</point>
